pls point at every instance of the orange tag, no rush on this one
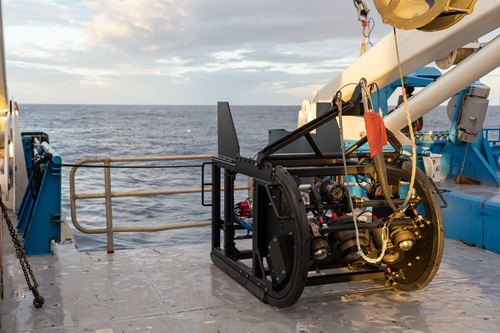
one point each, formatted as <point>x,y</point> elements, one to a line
<point>375,130</point>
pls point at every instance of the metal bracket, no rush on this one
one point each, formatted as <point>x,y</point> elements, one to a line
<point>204,184</point>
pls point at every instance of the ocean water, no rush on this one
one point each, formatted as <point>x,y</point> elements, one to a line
<point>89,131</point>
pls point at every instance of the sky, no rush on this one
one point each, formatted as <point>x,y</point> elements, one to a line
<point>192,52</point>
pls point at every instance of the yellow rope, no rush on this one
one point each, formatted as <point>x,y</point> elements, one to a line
<point>385,229</point>
<point>385,233</point>
<point>410,126</point>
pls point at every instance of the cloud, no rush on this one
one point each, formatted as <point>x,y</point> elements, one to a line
<point>189,26</point>
<point>91,43</point>
<point>197,50</point>
<point>136,26</point>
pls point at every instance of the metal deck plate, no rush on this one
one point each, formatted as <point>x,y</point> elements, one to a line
<point>178,289</point>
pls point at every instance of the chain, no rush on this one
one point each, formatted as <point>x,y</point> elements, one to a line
<point>23,260</point>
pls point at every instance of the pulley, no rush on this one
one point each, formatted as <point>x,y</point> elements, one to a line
<point>455,57</point>
<point>425,15</point>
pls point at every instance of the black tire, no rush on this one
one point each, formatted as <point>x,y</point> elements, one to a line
<point>421,263</point>
<point>287,293</point>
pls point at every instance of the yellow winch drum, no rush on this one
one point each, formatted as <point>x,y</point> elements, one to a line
<point>425,15</point>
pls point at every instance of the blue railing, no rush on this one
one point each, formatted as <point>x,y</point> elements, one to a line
<point>492,135</point>
<point>40,211</point>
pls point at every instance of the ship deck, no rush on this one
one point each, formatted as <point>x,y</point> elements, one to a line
<point>178,289</point>
<point>487,193</point>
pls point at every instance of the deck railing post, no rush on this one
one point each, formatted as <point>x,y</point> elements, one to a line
<point>109,194</point>
<point>109,205</point>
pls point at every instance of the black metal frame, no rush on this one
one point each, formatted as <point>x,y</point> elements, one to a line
<point>275,172</point>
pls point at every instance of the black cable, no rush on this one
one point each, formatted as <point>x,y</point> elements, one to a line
<point>374,84</point>
<point>37,175</point>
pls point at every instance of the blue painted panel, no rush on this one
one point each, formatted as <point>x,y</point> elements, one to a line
<point>463,218</point>
<point>40,214</point>
<point>28,152</point>
<point>26,209</point>
<point>45,221</point>
<point>492,226</point>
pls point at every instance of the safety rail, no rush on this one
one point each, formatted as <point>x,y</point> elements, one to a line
<point>108,194</point>
<point>432,135</point>
<point>492,135</point>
